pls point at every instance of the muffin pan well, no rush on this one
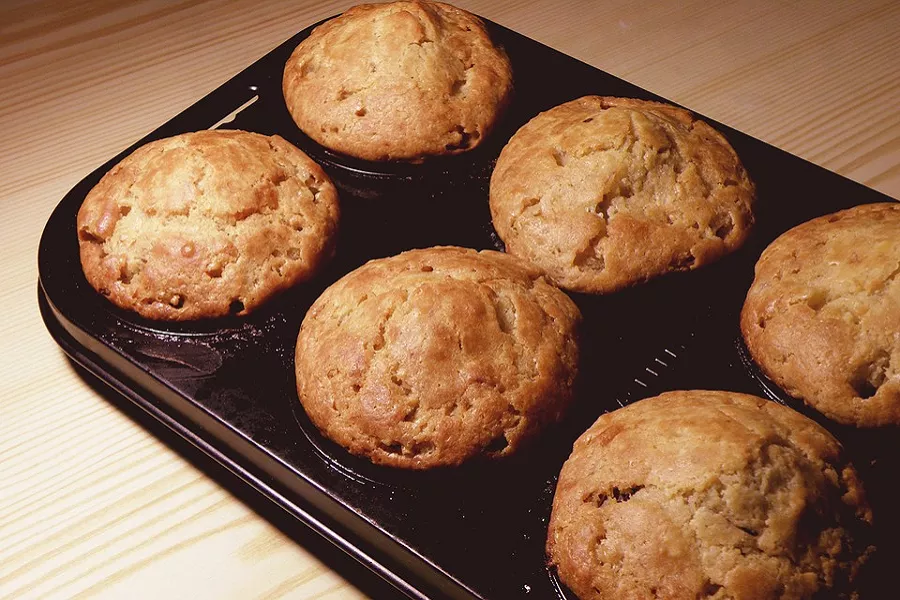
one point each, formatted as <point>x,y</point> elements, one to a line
<point>477,531</point>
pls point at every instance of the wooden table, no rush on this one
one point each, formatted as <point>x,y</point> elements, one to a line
<point>92,503</point>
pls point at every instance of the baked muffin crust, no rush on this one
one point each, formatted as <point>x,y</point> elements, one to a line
<point>704,494</point>
<point>398,81</point>
<point>206,224</point>
<point>435,356</point>
<point>602,193</point>
<point>822,318</point>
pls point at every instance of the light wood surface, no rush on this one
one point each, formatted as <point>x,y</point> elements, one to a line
<point>92,504</point>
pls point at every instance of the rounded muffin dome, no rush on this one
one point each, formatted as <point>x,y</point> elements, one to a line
<point>398,81</point>
<point>603,193</point>
<point>709,495</point>
<point>206,224</point>
<point>823,314</point>
<point>436,356</point>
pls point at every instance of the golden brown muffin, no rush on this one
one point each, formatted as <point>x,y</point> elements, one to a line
<point>707,495</point>
<point>206,224</point>
<point>603,193</point>
<point>435,356</point>
<point>398,81</point>
<point>822,318</point>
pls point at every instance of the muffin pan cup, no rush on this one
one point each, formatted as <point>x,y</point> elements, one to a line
<point>476,531</point>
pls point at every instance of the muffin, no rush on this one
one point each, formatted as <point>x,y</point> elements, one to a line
<point>398,81</point>
<point>700,494</point>
<point>206,224</point>
<point>822,318</point>
<point>603,193</point>
<point>436,356</point>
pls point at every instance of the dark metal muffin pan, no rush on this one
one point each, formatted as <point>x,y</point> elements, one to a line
<point>477,531</point>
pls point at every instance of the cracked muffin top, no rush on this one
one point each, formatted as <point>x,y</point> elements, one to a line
<point>206,224</point>
<point>398,81</point>
<point>822,318</point>
<point>435,356</point>
<point>708,495</point>
<point>602,193</point>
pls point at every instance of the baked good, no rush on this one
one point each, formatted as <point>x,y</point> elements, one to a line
<point>822,318</point>
<point>398,81</point>
<point>206,224</point>
<point>435,356</point>
<point>603,193</point>
<point>702,494</point>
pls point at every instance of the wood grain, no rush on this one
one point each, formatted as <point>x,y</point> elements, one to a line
<point>91,503</point>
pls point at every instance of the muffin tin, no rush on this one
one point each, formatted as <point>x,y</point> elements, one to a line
<point>476,531</point>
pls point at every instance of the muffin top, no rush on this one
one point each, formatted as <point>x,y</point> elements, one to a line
<point>703,494</point>
<point>206,224</point>
<point>602,193</point>
<point>822,318</point>
<point>398,81</point>
<point>435,356</point>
